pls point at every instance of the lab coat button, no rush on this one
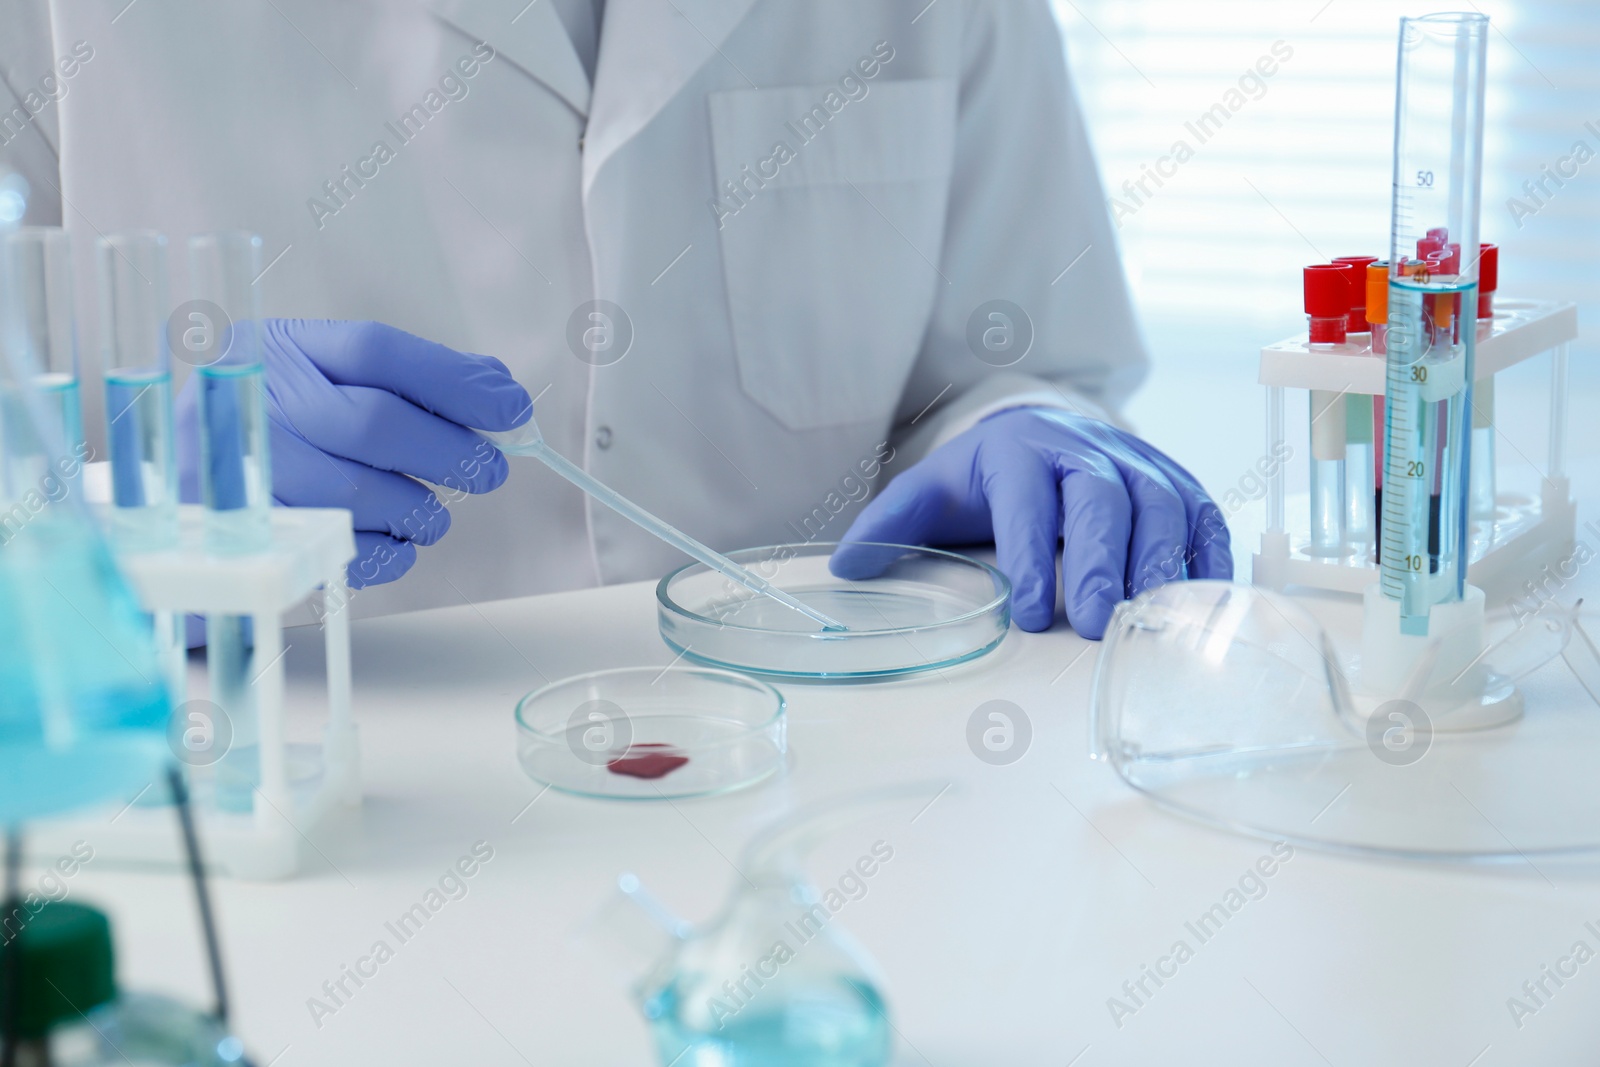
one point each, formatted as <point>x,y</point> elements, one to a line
<point>602,438</point>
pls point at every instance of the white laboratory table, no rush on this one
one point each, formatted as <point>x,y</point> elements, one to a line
<point>1016,904</point>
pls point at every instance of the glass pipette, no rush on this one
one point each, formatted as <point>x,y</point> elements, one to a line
<point>526,440</point>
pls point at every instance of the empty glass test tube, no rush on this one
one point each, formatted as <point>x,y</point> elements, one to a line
<point>38,277</point>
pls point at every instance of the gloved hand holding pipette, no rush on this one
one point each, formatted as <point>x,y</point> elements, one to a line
<point>526,440</point>
<point>359,413</point>
<point>1126,516</point>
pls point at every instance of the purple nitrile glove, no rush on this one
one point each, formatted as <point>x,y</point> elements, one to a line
<point>1127,517</point>
<point>358,411</point>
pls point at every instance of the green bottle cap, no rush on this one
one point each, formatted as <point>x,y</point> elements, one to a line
<point>65,964</point>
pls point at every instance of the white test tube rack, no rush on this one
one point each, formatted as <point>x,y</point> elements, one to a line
<point>1527,533</point>
<point>307,556</point>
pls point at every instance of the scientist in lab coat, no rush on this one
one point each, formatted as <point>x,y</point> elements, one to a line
<point>749,261</point>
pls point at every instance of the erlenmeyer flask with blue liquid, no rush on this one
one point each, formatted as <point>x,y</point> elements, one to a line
<point>773,980</point>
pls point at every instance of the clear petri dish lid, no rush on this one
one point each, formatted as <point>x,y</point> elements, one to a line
<point>908,609</point>
<point>652,733</point>
<point>1209,670</point>
<point>1231,705</point>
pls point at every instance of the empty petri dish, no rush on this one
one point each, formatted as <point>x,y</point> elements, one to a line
<point>907,609</point>
<point>651,733</point>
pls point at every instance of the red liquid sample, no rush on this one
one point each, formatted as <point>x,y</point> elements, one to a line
<point>649,759</point>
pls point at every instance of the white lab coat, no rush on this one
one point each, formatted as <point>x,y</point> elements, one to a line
<point>775,348</point>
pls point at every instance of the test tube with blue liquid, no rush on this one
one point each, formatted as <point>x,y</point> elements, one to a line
<point>39,282</point>
<point>134,308</point>
<point>1433,296</point>
<point>137,364</point>
<point>225,339</point>
<point>221,336</point>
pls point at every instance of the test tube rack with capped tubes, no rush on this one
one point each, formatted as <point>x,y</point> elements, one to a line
<point>1330,539</point>
<point>1409,508</point>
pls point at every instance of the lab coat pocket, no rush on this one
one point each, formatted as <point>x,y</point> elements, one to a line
<point>831,209</point>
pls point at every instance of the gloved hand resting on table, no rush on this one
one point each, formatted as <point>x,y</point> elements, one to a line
<point>1127,517</point>
<point>357,412</point>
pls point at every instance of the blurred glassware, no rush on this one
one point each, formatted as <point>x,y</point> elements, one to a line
<point>1232,706</point>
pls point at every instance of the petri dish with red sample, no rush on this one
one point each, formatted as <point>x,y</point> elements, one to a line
<point>652,733</point>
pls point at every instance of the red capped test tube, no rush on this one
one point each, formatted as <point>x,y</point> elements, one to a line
<point>1482,476</point>
<point>1327,300</point>
<point>1328,289</point>
<point>1359,427</point>
<point>1488,278</point>
<point>1357,322</point>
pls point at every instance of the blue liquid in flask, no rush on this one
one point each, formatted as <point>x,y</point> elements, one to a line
<point>841,1024</point>
<point>83,704</point>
